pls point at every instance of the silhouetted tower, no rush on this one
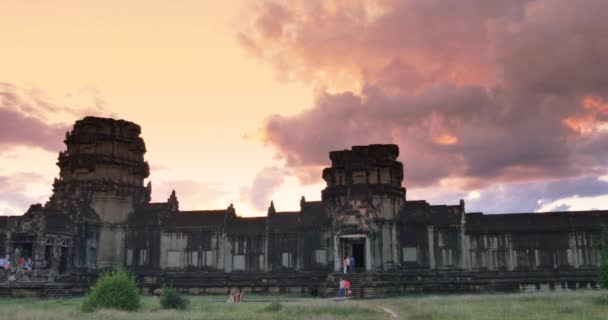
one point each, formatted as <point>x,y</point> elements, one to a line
<point>104,168</point>
<point>363,198</point>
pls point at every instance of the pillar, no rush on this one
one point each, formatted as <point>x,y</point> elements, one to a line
<point>337,260</point>
<point>368,255</point>
<point>431,247</point>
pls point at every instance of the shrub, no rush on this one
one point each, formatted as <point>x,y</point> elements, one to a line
<point>274,307</point>
<point>113,290</point>
<point>603,271</point>
<point>170,299</point>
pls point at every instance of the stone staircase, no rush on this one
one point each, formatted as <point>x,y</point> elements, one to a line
<point>57,291</point>
<point>356,282</point>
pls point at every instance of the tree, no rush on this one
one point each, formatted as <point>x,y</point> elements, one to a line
<point>603,272</point>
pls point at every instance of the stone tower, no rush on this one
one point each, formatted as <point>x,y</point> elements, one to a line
<point>363,198</point>
<point>103,168</point>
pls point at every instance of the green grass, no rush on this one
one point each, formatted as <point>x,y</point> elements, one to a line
<point>555,306</point>
<point>584,305</point>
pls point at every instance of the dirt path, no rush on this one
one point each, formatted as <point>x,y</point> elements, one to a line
<point>390,312</point>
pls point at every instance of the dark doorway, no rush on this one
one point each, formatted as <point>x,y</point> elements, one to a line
<point>63,263</point>
<point>359,254</point>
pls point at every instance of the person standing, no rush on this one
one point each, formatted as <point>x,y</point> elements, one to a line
<point>345,264</point>
<point>347,291</point>
<point>341,291</point>
<point>352,264</point>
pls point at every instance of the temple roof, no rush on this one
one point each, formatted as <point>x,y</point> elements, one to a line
<point>535,222</point>
<point>197,218</point>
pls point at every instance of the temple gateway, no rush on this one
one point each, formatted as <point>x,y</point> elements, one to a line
<point>100,216</point>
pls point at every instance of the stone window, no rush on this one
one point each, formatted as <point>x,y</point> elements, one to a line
<point>499,259</point>
<point>589,256</point>
<point>238,262</point>
<point>478,259</point>
<point>410,254</point>
<point>286,259</point>
<point>340,178</point>
<point>385,175</point>
<point>359,177</point>
<point>209,258</point>
<point>174,259</point>
<point>373,176</point>
<point>523,258</point>
<point>446,257</point>
<point>92,255</point>
<point>546,258</point>
<point>143,257</point>
<point>129,260</point>
<point>320,257</point>
<point>192,258</point>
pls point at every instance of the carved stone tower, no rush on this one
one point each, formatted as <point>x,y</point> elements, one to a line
<point>363,198</point>
<point>104,168</point>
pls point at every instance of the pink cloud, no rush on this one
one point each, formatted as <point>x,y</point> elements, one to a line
<point>478,91</point>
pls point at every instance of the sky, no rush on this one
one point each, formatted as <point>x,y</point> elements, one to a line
<point>501,103</point>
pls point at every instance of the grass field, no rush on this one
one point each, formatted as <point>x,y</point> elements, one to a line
<point>555,306</point>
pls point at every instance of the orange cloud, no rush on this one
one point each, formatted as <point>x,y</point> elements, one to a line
<point>445,139</point>
<point>589,121</point>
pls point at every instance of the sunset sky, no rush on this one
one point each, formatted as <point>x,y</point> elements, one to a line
<point>501,103</point>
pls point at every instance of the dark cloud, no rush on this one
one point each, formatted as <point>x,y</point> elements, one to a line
<point>13,191</point>
<point>476,91</point>
<point>24,117</point>
<point>266,182</point>
<point>19,129</point>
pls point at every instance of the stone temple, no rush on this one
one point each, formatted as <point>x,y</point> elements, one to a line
<point>100,216</point>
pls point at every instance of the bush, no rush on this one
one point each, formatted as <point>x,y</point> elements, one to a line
<point>113,290</point>
<point>170,299</point>
<point>273,307</point>
<point>603,272</point>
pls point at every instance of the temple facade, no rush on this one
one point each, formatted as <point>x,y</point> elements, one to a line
<point>100,216</point>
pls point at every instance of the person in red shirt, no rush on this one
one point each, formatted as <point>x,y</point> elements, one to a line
<point>21,262</point>
<point>347,288</point>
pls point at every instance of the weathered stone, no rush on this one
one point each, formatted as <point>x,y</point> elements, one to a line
<point>100,216</point>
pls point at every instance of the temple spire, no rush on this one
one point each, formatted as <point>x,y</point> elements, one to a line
<point>271,209</point>
<point>173,202</point>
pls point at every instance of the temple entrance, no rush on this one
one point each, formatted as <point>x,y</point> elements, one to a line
<point>353,246</point>
<point>359,254</point>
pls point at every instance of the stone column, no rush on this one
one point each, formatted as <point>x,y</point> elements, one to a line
<point>337,260</point>
<point>368,254</point>
<point>431,247</point>
<point>266,241</point>
<point>395,245</point>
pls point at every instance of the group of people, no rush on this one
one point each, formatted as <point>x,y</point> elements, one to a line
<point>348,265</point>
<point>344,290</point>
<point>22,263</point>
<point>236,295</point>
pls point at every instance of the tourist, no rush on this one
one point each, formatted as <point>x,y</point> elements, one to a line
<point>2,262</point>
<point>352,264</point>
<point>158,292</point>
<point>239,295</point>
<point>341,291</point>
<point>21,262</point>
<point>347,288</point>
<point>7,263</point>
<point>28,263</point>
<point>346,264</point>
<point>233,295</point>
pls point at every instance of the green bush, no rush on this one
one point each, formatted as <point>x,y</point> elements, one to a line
<point>170,299</point>
<point>273,307</point>
<point>113,290</point>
